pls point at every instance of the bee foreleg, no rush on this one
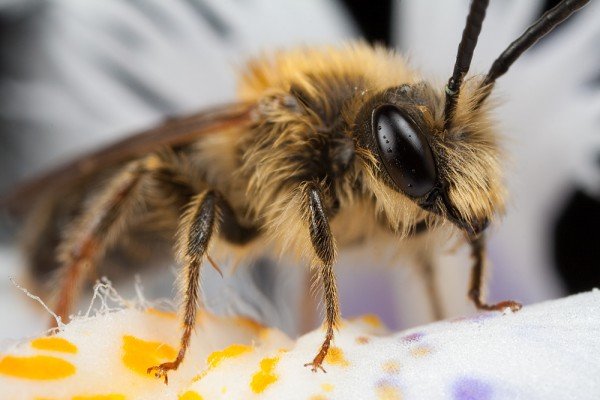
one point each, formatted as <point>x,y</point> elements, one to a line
<point>324,247</point>
<point>476,286</point>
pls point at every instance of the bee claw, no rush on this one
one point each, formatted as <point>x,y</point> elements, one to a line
<point>315,366</point>
<point>161,371</point>
<point>513,305</point>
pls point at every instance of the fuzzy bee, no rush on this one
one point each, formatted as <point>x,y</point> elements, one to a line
<point>327,147</point>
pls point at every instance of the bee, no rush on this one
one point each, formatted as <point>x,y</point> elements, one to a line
<point>326,147</point>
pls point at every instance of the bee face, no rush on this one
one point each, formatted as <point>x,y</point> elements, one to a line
<point>452,174</point>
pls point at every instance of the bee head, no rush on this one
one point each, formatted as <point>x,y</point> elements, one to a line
<point>453,173</point>
<point>438,149</point>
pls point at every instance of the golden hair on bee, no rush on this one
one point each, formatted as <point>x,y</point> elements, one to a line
<point>328,147</point>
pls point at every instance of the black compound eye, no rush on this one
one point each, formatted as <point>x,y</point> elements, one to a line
<point>405,153</point>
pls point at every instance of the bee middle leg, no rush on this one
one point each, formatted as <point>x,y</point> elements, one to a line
<point>324,247</point>
<point>477,273</point>
<point>205,213</point>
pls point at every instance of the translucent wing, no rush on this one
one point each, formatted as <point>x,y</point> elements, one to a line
<point>173,133</point>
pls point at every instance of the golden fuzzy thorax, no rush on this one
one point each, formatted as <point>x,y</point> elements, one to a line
<point>309,103</point>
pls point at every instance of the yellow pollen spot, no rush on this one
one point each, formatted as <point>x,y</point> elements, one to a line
<point>111,396</point>
<point>215,358</point>
<point>265,376</point>
<point>372,320</point>
<point>53,343</point>
<point>387,392</point>
<point>36,367</point>
<point>161,313</point>
<point>391,367</point>
<point>235,350</point>
<point>327,387</point>
<point>362,340</point>
<point>190,395</point>
<point>335,356</point>
<point>420,351</point>
<point>139,355</point>
<point>318,397</point>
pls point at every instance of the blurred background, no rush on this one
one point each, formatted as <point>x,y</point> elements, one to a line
<point>77,75</point>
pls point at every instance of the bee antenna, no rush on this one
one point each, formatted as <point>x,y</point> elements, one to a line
<point>535,32</point>
<point>464,56</point>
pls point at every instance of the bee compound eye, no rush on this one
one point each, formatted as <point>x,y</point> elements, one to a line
<point>405,153</point>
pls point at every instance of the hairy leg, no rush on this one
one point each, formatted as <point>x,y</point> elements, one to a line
<point>196,229</point>
<point>102,222</point>
<point>476,286</point>
<point>205,213</point>
<point>324,247</point>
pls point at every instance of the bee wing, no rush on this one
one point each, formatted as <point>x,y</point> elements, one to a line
<point>174,133</point>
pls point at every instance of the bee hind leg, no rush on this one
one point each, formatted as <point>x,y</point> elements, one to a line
<point>476,285</point>
<point>324,247</point>
<point>88,237</point>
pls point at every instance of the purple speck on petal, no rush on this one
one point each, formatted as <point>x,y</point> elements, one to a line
<point>413,337</point>
<point>467,388</point>
<point>388,381</point>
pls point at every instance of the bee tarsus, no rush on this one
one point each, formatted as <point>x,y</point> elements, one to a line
<point>324,247</point>
<point>477,281</point>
